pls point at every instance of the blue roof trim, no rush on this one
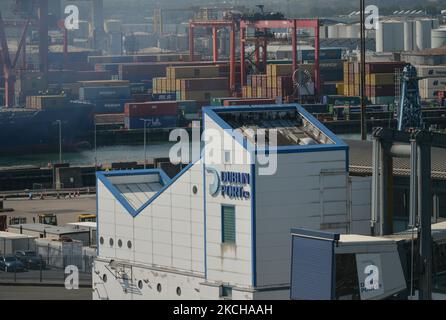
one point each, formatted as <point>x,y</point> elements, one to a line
<point>102,176</point>
<point>204,207</point>
<point>338,144</point>
<point>253,226</point>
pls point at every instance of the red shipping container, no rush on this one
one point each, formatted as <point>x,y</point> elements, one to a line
<point>155,108</point>
<point>201,84</point>
<point>383,67</point>
<point>380,91</point>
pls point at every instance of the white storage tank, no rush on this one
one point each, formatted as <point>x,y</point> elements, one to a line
<point>342,30</point>
<point>390,36</point>
<point>353,30</point>
<point>323,32</point>
<point>409,35</point>
<point>438,38</point>
<point>332,31</point>
<point>423,34</point>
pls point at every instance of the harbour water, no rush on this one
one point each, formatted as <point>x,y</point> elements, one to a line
<point>106,154</point>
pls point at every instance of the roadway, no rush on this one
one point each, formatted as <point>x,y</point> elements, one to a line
<point>19,292</point>
<point>66,209</point>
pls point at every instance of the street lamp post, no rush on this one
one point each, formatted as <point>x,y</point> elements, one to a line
<point>60,140</point>
<point>95,147</point>
<point>145,140</point>
<point>362,71</point>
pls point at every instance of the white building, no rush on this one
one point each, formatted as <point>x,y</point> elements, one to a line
<point>222,231</point>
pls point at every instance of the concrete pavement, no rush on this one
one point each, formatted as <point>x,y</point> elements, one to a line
<point>67,210</point>
<point>18,292</point>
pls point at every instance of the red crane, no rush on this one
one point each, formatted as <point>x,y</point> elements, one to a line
<point>8,66</point>
<point>215,24</point>
<point>243,25</point>
<point>292,24</point>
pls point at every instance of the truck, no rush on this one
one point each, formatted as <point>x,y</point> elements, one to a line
<point>48,218</point>
<point>86,218</point>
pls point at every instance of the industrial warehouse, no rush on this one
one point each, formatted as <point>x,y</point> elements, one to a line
<point>222,151</point>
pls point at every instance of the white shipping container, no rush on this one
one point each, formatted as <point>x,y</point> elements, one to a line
<point>433,83</point>
<point>426,71</point>
<point>11,242</point>
<point>429,93</point>
<point>60,254</point>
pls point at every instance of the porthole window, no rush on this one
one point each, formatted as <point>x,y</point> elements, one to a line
<point>158,287</point>
<point>111,242</point>
<point>104,278</point>
<point>140,284</point>
<point>178,291</point>
<point>101,240</point>
<point>120,243</point>
<point>194,189</point>
<point>129,244</point>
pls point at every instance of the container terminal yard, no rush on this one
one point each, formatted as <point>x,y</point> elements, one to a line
<point>350,116</point>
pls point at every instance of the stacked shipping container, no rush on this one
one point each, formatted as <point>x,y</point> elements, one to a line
<point>46,102</point>
<point>200,83</point>
<point>380,80</point>
<point>107,96</point>
<point>434,83</point>
<point>160,114</point>
<point>278,80</point>
<point>154,114</point>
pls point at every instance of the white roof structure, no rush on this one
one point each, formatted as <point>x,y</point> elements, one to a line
<point>135,188</point>
<point>86,224</point>
<point>356,238</point>
<point>12,235</point>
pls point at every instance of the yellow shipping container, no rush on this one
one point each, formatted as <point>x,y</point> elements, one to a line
<point>346,67</point>
<point>249,92</point>
<point>259,92</point>
<point>276,70</point>
<point>340,88</point>
<point>164,82</point>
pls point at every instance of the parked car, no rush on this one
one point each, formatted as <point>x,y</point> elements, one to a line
<point>30,259</point>
<point>11,264</point>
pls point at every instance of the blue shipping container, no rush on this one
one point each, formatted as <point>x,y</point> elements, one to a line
<point>113,68</point>
<point>93,93</point>
<point>152,122</point>
<point>332,75</point>
<point>324,54</point>
<point>109,105</point>
<point>188,106</point>
<point>170,96</point>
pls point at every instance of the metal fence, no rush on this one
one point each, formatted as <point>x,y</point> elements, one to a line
<point>54,270</point>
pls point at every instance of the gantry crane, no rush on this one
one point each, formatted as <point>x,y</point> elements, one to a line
<point>236,23</point>
<point>9,68</point>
